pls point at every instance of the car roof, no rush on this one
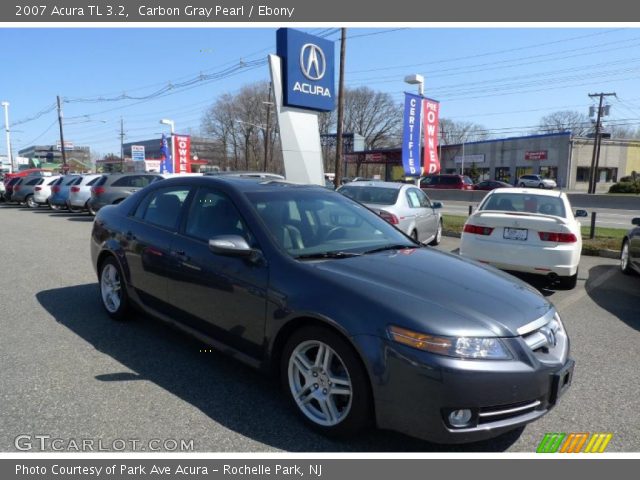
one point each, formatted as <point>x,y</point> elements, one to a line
<point>243,184</point>
<point>528,191</point>
<point>377,184</point>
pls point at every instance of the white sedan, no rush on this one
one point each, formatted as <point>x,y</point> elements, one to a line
<point>526,230</point>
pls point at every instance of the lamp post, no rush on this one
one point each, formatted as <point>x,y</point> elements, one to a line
<point>8,132</point>
<point>417,79</point>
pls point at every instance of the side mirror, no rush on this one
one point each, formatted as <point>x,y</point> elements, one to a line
<point>231,245</point>
<point>581,213</point>
<point>437,204</point>
<point>635,221</point>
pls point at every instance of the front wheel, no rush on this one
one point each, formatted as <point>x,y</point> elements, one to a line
<point>326,381</point>
<point>521,184</point>
<point>438,238</point>
<point>541,185</point>
<point>624,259</point>
<point>31,203</point>
<point>112,290</point>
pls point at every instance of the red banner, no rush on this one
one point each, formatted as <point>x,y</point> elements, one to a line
<point>431,114</point>
<point>181,154</point>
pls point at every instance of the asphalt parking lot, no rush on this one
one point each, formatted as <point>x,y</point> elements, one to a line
<point>70,372</point>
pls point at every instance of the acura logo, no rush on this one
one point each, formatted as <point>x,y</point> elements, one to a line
<point>312,61</point>
<point>549,335</point>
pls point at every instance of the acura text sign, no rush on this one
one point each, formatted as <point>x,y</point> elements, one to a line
<point>307,70</point>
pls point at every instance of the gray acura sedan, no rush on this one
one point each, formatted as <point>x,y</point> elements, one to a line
<point>361,323</point>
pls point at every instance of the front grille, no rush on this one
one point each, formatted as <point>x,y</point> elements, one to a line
<point>547,339</point>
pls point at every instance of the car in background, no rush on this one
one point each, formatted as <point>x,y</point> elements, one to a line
<point>113,188</point>
<point>630,251</point>
<point>60,191</point>
<point>447,181</point>
<point>23,192</point>
<point>526,230</point>
<point>488,185</point>
<point>3,189</point>
<point>80,192</point>
<point>536,181</point>
<point>417,340</point>
<point>42,191</point>
<point>404,206</point>
<point>12,182</point>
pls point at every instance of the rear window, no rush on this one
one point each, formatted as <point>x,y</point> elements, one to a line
<point>375,195</point>
<point>94,181</point>
<point>136,181</point>
<point>71,181</point>
<point>513,202</point>
<point>53,181</point>
<point>35,181</point>
<point>101,181</point>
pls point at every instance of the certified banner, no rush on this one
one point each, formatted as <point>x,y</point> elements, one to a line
<point>167,165</point>
<point>431,114</point>
<point>182,153</point>
<point>411,134</point>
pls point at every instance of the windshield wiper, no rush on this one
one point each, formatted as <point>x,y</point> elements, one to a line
<point>335,254</point>
<point>391,247</point>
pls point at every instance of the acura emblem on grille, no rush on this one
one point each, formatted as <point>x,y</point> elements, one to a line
<point>550,335</point>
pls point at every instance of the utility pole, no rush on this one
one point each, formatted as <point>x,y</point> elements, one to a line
<point>339,159</point>
<point>65,167</point>
<point>595,158</point>
<point>8,132</point>
<point>267,138</point>
<point>121,145</point>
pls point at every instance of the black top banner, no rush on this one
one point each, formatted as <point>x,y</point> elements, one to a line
<point>337,11</point>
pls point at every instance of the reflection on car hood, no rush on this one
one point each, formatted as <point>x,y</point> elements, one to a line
<point>436,292</point>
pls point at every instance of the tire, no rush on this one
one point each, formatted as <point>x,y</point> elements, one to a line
<point>414,235</point>
<point>569,283</point>
<point>54,207</point>
<point>113,296</point>
<point>31,203</point>
<point>541,185</point>
<point>308,384</point>
<point>521,184</point>
<point>438,238</point>
<point>625,264</point>
<point>91,211</point>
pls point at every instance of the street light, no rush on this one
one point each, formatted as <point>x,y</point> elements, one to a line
<point>417,79</point>
<point>171,123</point>
<point>8,132</point>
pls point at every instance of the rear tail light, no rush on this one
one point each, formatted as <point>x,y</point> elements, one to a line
<point>75,189</point>
<point>95,191</point>
<point>55,189</point>
<point>16,188</point>
<point>557,237</point>
<point>389,217</point>
<point>476,230</point>
<point>37,189</point>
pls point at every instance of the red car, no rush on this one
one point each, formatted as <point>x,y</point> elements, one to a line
<point>447,181</point>
<point>491,184</point>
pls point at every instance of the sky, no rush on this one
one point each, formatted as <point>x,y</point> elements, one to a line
<point>505,79</point>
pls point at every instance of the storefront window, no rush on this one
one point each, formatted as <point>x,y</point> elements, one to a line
<point>582,174</point>
<point>503,174</point>
<point>549,172</point>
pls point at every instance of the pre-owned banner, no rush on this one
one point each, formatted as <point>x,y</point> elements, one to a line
<point>411,134</point>
<point>431,119</point>
<point>182,153</point>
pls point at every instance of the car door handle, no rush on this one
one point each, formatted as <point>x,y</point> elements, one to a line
<point>181,254</point>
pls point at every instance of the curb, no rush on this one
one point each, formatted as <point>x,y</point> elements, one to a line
<point>614,254</point>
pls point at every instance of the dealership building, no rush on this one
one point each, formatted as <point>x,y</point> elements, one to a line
<point>560,156</point>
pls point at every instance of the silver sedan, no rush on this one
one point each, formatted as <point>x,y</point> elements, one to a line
<point>405,206</point>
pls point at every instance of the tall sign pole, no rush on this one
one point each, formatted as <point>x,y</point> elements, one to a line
<point>8,132</point>
<point>339,142</point>
<point>65,167</point>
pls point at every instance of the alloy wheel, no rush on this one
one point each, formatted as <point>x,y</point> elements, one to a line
<point>320,383</point>
<point>110,288</point>
<point>624,257</point>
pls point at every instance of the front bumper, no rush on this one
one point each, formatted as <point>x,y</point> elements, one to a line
<point>415,391</point>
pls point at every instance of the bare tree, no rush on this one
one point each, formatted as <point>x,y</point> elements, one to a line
<point>454,132</point>
<point>622,131</point>
<point>561,121</point>
<point>374,115</point>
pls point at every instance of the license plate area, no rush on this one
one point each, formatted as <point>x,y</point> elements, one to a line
<point>520,234</point>
<point>561,381</point>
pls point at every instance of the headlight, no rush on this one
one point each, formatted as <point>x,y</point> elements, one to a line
<point>462,347</point>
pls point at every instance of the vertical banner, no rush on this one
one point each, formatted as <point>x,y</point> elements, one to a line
<point>411,134</point>
<point>166,166</point>
<point>182,153</point>
<point>431,114</point>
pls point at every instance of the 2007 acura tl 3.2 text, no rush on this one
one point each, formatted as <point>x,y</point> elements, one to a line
<point>361,323</point>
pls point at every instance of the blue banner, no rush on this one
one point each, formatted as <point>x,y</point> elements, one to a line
<point>166,166</point>
<point>411,135</point>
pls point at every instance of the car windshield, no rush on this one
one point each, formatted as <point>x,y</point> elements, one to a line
<point>314,223</point>
<point>375,195</point>
<point>527,203</point>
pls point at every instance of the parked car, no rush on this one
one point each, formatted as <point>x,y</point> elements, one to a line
<point>60,191</point>
<point>630,251</point>
<point>24,190</point>
<point>526,230</point>
<point>111,189</point>
<point>447,181</point>
<point>362,323</point>
<point>42,192</point>
<point>3,189</point>
<point>536,181</point>
<point>80,192</point>
<point>405,206</point>
<point>491,185</point>
<point>9,187</point>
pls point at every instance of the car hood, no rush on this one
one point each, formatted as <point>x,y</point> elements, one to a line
<point>435,292</point>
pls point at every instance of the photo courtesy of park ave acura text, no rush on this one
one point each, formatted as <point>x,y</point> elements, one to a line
<point>288,238</point>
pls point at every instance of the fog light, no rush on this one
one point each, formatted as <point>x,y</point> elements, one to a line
<point>460,418</point>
